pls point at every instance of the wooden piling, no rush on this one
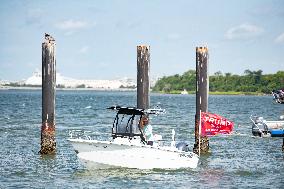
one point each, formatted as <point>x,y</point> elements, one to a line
<point>283,145</point>
<point>143,72</point>
<point>48,143</point>
<point>202,89</point>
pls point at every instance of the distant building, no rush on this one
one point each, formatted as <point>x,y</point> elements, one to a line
<point>65,82</point>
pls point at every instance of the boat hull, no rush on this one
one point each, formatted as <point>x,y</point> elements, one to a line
<point>277,133</point>
<point>275,124</point>
<point>105,154</point>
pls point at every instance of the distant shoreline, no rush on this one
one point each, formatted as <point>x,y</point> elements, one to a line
<point>240,93</point>
<point>129,89</point>
<point>65,89</point>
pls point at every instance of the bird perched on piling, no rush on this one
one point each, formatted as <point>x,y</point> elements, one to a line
<point>48,37</point>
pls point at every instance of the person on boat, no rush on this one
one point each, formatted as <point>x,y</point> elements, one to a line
<point>278,95</point>
<point>147,130</point>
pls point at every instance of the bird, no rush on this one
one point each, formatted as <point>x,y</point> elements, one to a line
<point>48,37</point>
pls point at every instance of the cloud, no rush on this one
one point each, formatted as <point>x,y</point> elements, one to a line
<point>280,38</point>
<point>243,31</point>
<point>72,26</point>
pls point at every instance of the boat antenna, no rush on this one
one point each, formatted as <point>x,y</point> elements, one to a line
<point>173,143</point>
<point>199,132</point>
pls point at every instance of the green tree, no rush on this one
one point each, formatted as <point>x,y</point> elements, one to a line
<point>251,81</point>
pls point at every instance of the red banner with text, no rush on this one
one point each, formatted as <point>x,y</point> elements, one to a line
<point>212,124</point>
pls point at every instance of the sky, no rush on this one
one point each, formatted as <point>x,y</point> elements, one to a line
<point>98,39</point>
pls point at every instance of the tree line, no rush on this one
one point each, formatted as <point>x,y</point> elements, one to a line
<point>250,81</point>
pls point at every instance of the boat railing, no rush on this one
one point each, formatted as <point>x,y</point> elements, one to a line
<point>155,111</point>
<point>81,134</point>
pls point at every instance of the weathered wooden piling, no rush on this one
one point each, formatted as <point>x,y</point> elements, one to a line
<point>283,145</point>
<point>202,89</point>
<point>48,143</point>
<point>143,72</point>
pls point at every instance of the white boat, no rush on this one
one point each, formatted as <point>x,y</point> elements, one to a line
<point>184,92</point>
<point>128,147</point>
<point>263,128</point>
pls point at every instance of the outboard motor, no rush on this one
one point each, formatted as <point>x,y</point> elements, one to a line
<point>183,146</point>
<point>259,128</point>
<point>259,120</point>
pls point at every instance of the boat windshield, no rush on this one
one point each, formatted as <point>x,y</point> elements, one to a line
<point>126,122</point>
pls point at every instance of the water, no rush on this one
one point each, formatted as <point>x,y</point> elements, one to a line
<point>235,161</point>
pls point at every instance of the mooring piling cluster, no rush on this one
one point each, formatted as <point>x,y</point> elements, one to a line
<point>48,142</point>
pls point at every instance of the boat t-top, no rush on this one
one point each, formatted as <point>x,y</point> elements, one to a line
<point>128,146</point>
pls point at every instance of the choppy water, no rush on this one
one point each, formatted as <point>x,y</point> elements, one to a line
<point>236,161</point>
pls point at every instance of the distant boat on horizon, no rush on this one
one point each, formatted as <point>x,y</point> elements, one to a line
<point>184,92</point>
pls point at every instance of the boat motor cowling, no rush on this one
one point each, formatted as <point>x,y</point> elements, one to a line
<point>182,146</point>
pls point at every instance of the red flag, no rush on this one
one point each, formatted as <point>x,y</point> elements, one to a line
<point>212,124</point>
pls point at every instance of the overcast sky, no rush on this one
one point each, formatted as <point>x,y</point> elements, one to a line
<point>98,39</point>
